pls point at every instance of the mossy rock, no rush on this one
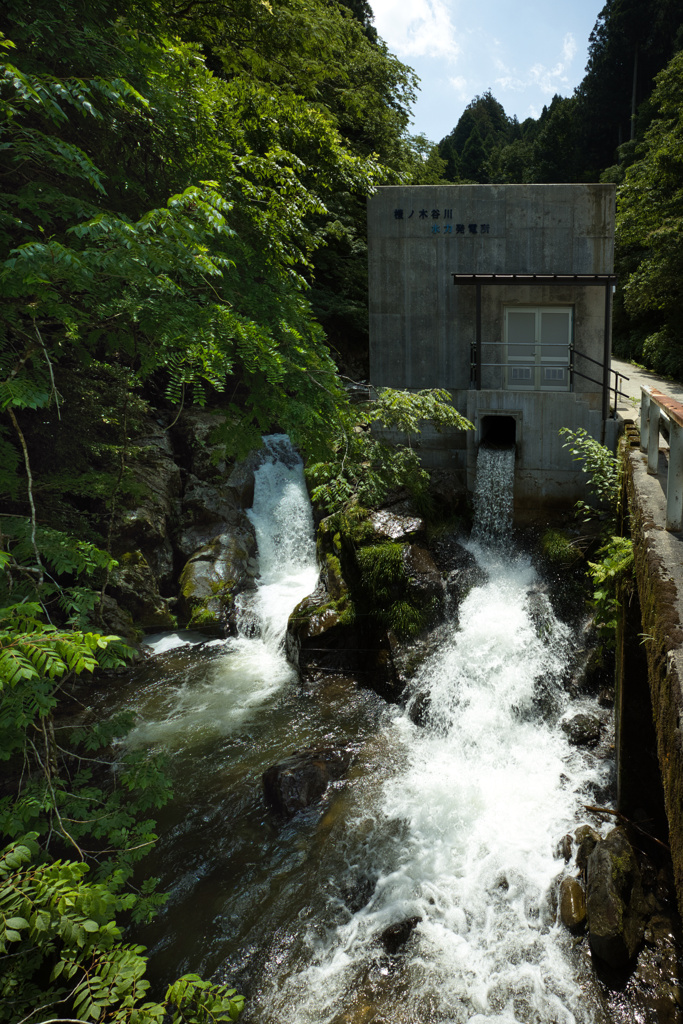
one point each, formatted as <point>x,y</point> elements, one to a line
<point>614,900</point>
<point>557,548</point>
<point>214,576</point>
<point>322,636</point>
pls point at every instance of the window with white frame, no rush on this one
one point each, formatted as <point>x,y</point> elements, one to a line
<point>537,340</point>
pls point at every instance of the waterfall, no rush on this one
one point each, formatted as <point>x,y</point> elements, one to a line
<point>283,523</point>
<point>493,493</point>
<point>248,669</point>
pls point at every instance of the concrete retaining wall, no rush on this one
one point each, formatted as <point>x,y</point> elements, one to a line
<point>659,576</point>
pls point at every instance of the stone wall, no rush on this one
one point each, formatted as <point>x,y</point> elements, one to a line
<point>660,594</point>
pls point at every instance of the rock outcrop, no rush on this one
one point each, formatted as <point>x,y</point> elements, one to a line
<point>187,548</point>
<point>379,590</point>
<point>301,779</point>
<point>614,900</point>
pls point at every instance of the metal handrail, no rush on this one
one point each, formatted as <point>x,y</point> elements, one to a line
<point>569,366</point>
<point>654,408</point>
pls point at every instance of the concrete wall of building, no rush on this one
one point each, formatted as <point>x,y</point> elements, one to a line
<point>423,326</point>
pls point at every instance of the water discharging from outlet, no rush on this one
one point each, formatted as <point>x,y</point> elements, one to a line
<point>450,827</point>
<point>493,496</point>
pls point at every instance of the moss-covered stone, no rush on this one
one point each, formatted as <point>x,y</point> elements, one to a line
<point>375,594</point>
<point>662,636</point>
<point>557,548</point>
<point>214,576</point>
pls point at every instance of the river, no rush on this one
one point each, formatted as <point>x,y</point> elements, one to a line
<point>453,825</point>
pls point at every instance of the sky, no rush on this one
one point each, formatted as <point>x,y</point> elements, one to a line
<point>524,52</point>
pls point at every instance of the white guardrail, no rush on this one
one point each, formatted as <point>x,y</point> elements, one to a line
<point>660,413</point>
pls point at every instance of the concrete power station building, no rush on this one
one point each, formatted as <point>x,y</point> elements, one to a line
<point>502,295</point>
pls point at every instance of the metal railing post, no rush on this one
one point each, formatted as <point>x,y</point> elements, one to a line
<point>674,483</point>
<point>644,417</point>
<point>653,440</point>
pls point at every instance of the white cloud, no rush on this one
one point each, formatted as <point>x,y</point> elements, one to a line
<point>461,87</point>
<point>421,28</point>
<point>539,76</point>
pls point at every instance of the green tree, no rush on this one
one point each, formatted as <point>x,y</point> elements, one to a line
<point>632,40</point>
<point>649,233</point>
<point>483,126</point>
<point>556,155</point>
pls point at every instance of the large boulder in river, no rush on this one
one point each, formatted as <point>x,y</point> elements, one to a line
<point>582,729</point>
<point>614,900</point>
<point>321,631</point>
<point>214,576</point>
<point>301,779</point>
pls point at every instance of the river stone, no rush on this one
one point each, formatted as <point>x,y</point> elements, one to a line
<point>564,848</point>
<point>582,729</point>
<point>390,525</point>
<point>419,708</point>
<point>572,905</point>
<point>396,935</point>
<point>301,779</point>
<point>614,900</point>
<point>215,575</point>
<point>586,839</point>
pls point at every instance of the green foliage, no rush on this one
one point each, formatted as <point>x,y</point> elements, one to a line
<point>62,581</point>
<point>60,928</point>
<point>649,231</point>
<point>363,466</point>
<point>482,129</point>
<point>602,468</point>
<point>59,935</point>
<point>613,566</point>
<point>382,594</point>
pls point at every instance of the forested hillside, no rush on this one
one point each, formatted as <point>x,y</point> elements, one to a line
<point>622,124</point>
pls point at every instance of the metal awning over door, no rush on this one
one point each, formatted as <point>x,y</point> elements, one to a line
<point>606,281</point>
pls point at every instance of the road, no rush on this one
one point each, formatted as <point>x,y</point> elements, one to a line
<point>629,408</point>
